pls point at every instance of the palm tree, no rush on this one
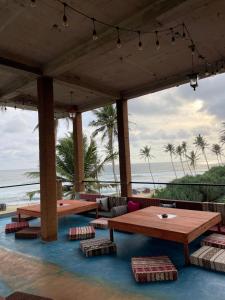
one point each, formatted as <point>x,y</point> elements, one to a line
<point>180,152</point>
<point>184,147</point>
<point>222,134</point>
<point>193,157</point>
<point>145,152</point>
<point>171,150</point>
<point>93,165</point>
<point>217,149</point>
<point>106,124</point>
<point>201,144</point>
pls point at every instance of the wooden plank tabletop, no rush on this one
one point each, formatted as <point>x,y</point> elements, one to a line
<point>64,207</point>
<point>184,227</point>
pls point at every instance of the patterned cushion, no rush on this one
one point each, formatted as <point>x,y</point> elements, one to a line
<point>28,233</point>
<point>14,227</point>
<point>216,230</point>
<point>215,207</point>
<point>116,201</point>
<point>158,268</point>
<point>210,258</point>
<point>100,223</point>
<point>119,210</point>
<point>103,203</point>
<point>2,206</point>
<point>81,233</point>
<point>97,247</point>
<point>214,240</point>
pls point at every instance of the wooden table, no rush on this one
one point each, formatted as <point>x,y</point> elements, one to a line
<point>185,227</point>
<point>64,207</point>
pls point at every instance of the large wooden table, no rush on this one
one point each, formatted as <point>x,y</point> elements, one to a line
<point>186,226</point>
<point>64,207</point>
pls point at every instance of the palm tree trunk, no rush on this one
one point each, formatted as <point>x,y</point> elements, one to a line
<point>189,168</point>
<point>182,164</point>
<point>218,159</point>
<point>111,149</point>
<point>203,151</point>
<point>221,159</point>
<point>150,171</point>
<point>173,165</point>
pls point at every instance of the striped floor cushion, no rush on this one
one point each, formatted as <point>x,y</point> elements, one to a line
<point>155,268</point>
<point>216,230</point>
<point>81,233</point>
<point>101,223</point>
<point>214,240</point>
<point>14,227</point>
<point>96,247</point>
<point>28,233</point>
<point>210,258</point>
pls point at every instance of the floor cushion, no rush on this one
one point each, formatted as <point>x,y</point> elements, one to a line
<point>210,258</point>
<point>81,233</point>
<point>96,247</point>
<point>25,296</point>
<point>14,227</point>
<point>216,229</point>
<point>214,240</point>
<point>100,223</point>
<point>28,233</point>
<point>155,268</point>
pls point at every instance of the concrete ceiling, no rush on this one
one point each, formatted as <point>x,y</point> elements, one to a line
<point>33,43</point>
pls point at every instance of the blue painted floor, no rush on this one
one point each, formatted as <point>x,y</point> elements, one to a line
<point>193,283</point>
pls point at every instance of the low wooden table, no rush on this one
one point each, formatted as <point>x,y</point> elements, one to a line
<point>184,226</point>
<point>64,208</point>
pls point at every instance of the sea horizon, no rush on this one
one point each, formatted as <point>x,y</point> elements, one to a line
<point>162,172</point>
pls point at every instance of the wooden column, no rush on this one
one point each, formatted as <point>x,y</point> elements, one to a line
<point>47,159</point>
<point>124,148</point>
<point>78,153</point>
<point>59,191</point>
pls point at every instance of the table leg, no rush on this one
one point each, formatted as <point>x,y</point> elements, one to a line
<point>96,213</point>
<point>186,254</point>
<point>219,227</point>
<point>111,234</point>
<point>19,217</point>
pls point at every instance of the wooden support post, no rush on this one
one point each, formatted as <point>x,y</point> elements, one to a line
<point>186,255</point>
<point>47,159</point>
<point>78,153</point>
<point>124,148</point>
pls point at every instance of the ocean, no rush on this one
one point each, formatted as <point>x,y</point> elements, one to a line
<point>162,172</point>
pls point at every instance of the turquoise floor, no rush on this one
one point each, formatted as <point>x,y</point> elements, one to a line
<point>193,283</point>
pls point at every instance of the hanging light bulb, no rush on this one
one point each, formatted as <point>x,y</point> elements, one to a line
<point>140,46</point>
<point>184,33</point>
<point>72,110</point>
<point>118,44</point>
<point>65,20</point>
<point>192,49</point>
<point>94,36</point>
<point>172,36</point>
<point>33,3</point>
<point>193,80</point>
<point>157,40</point>
<point>206,69</point>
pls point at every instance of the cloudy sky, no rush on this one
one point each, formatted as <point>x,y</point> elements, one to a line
<point>171,116</point>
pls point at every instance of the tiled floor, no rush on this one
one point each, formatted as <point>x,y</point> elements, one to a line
<point>114,271</point>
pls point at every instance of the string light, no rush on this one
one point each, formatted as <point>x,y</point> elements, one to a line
<point>140,46</point>
<point>33,3</point>
<point>94,36</point>
<point>157,40</point>
<point>65,20</point>
<point>119,45</point>
<point>192,49</point>
<point>206,69</point>
<point>183,34</point>
<point>72,111</point>
<point>172,36</point>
